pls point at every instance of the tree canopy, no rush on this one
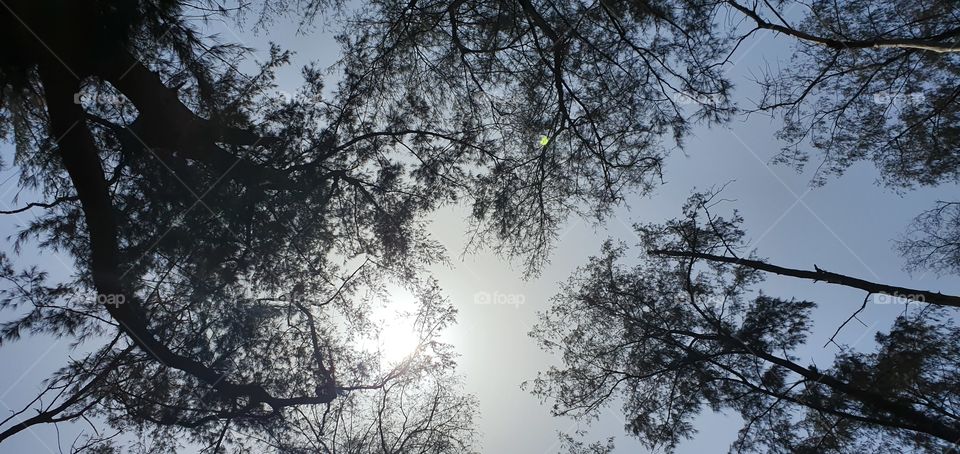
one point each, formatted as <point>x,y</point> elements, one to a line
<point>232,244</point>
<point>690,329</point>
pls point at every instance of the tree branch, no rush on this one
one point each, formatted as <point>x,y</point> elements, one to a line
<point>936,43</point>
<point>82,162</point>
<point>822,275</point>
<point>32,205</point>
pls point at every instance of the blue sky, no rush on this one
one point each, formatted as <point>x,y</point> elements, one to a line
<point>846,226</point>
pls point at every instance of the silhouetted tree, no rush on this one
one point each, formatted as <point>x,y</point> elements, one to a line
<point>687,329</point>
<point>868,80</point>
<point>598,83</point>
<point>933,240</point>
<point>236,241</point>
<point>230,244</point>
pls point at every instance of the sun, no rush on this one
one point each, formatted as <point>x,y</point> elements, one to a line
<point>398,341</point>
<point>397,338</point>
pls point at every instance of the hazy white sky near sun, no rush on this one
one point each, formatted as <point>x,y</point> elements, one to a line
<point>846,226</point>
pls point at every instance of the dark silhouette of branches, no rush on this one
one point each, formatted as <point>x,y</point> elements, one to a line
<point>818,274</point>
<point>942,42</point>
<point>867,81</point>
<point>686,329</point>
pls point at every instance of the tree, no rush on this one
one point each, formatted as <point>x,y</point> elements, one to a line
<point>225,237</point>
<point>215,308</point>
<point>933,240</point>
<point>868,80</point>
<point>598,84</point>
<point>872,81</point>
<point>687,329</point>
<point>230,244</point>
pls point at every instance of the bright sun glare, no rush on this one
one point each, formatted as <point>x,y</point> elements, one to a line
<point>397,338</point>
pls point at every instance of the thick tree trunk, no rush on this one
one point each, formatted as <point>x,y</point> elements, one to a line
<point>82,162</point>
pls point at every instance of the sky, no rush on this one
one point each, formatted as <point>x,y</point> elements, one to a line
<point>847,226</point>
